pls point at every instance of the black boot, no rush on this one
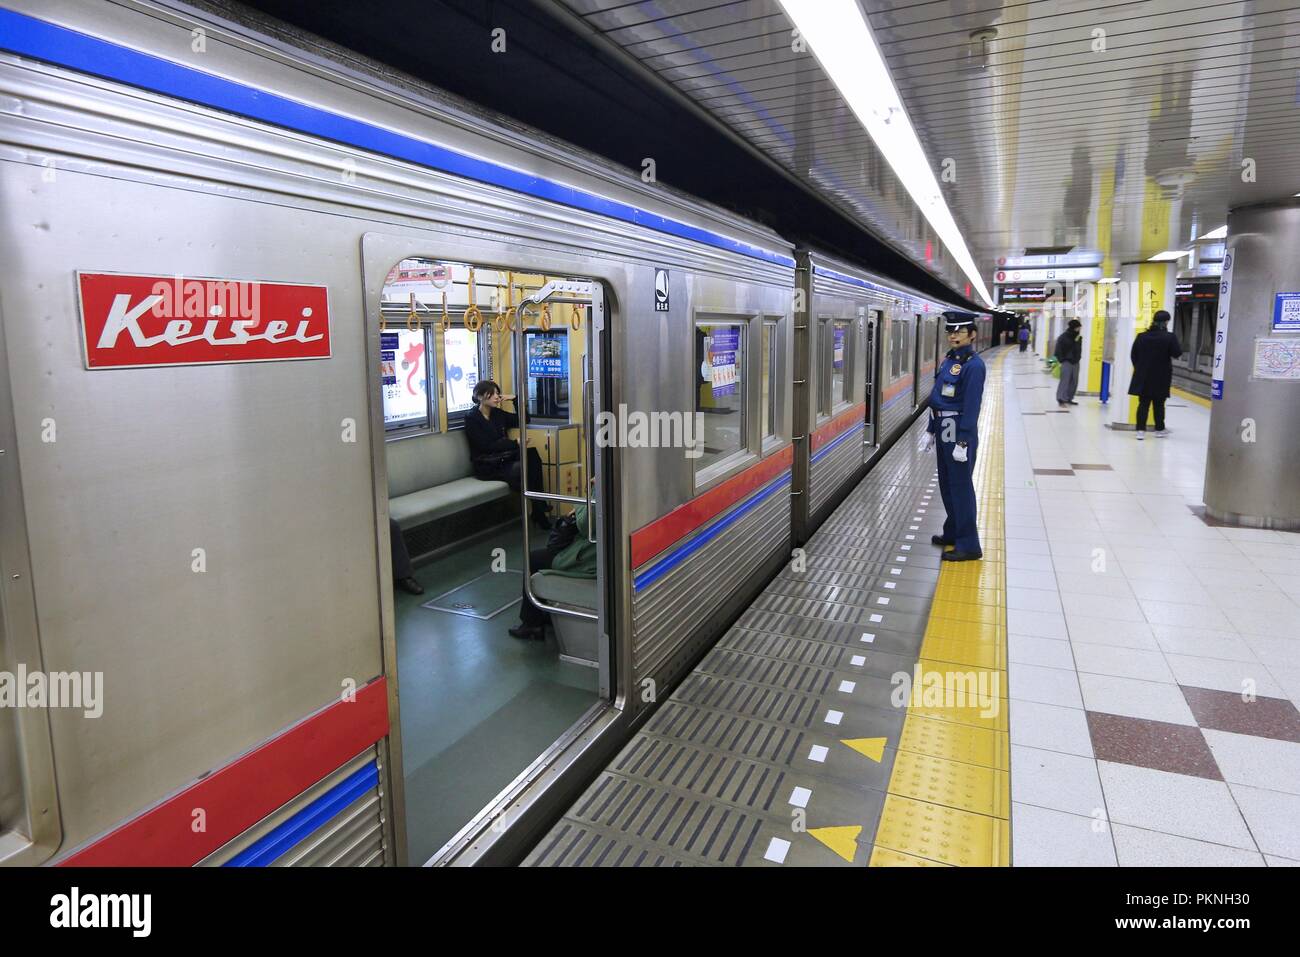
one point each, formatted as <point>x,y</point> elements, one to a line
<point>939,540</point>
<point>410,586</point>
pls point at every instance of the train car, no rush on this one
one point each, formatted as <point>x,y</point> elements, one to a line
<point>262,281</point>
<point>1196,304</point>
<point>210,531</point>
<point>865,362</point>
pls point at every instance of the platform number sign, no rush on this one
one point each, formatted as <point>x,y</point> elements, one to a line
<point>661,290</point>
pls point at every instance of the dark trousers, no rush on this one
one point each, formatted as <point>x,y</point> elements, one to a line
<point>1024,345</point>
<point>535,480</point>
<point>538,560</point>
<point>1143,405</point>
<point>401,557</point>
<point>957,489</point>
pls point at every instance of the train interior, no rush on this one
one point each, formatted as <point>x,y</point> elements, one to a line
<point>479,705</point>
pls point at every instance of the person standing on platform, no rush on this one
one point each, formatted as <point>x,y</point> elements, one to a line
<point>954,428</point>
<point>1069,350</point>
<point>1023,335</point>
<point>1153,355</point>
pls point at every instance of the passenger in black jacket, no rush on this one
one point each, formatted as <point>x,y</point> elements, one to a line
<point>494,455</point>
<point>1153,355</point>
<point>1069,350</point>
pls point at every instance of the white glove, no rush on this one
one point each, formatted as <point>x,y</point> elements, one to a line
<point>959,453</point>
<point>927,442</point>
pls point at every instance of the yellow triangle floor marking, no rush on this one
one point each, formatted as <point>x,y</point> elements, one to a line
<point>873,748</point>
<point>842,840</point>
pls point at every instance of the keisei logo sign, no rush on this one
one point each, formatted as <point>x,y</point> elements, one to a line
<point>131,321</point>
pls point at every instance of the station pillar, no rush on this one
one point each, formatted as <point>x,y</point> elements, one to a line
<point>1145,289</point>
<point>1252,465</point>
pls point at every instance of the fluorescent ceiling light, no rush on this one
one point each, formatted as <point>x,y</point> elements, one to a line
<point>1169,255</point>
<point>1220,233</point>
<point>838,35</point>
<point>1109,279</point>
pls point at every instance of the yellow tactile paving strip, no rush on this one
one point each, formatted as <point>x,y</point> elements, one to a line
<point>1189,397</point>
<point>949,800</point>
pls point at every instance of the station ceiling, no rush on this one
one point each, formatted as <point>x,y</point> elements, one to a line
<point>1129,126</point>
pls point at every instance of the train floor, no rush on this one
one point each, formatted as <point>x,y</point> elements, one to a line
<point>1114,684</point>
<point>477,705</point>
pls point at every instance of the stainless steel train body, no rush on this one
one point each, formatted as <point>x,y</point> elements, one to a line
<point>865,361</point>
<point>211,537</point>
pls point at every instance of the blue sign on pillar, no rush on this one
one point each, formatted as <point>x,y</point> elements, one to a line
<point>1286,312</point>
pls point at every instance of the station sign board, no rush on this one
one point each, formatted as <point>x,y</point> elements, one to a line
<point>1075,257</point>
<point>138,321</point>
<point>1049,274</point>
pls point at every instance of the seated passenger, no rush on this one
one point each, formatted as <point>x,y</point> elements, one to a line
<point>567,552</point>
<point>403,576</point>
<point>494,454</point>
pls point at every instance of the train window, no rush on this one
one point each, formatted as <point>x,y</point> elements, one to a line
<point>770,366</point>
<point>548,375</point>
<point>720,389</point>
<point>404,375</point>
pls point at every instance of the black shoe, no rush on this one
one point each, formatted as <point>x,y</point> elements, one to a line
<point>1072,402</point>
<point>955,556</point>
<point>410,586</point>
<point>939,540</point>
<point>527,632</point>
<point>1062,404</point>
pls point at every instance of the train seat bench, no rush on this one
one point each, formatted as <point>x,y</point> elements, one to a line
<point>430,477</point>
<point>578,637</point>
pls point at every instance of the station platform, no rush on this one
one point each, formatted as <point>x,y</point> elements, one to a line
<point>1114,684</point>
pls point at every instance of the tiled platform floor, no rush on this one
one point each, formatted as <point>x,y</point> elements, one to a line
<point>1154,660</point>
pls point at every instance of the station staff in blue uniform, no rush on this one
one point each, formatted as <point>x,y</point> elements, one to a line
<point>954,427</point>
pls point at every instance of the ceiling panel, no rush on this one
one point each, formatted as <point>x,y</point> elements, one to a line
<point>1126,125</point>
<point>736,60</point>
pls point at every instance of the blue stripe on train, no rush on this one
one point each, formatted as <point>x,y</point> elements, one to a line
<point>274,845</point>
<point>28,36</point>
<point>708,533</point>
<point>838,440</point>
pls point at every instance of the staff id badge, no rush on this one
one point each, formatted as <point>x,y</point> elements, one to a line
<point>948,390</point>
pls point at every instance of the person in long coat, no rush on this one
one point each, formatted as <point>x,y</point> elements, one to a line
<point>1153,355</point>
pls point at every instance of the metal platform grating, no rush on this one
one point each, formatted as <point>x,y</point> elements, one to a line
<point>778,747</point>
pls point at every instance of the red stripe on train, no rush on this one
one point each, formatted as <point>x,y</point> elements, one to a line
<point>237,796</point>
<point>649,540</point>
<point>843,421</point>
<point>903,383</point>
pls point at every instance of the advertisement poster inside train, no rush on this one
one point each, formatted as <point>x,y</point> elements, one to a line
<point>402,371</point>
<point>838,358</point>
<point>460,357</point>
<point>723,345</point>
<point>548,356</point>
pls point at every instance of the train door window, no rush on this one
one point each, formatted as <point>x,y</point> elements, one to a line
<point>1183,329</point>
<point>873,344</point>
<point>460,362</point>
<point>838,361</point>
<point>548,375</point>
<point>1205,344</point>
<point>770,367</point>
<point>895,349</point>
<point>404,375</point>
<point>720,389</point>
